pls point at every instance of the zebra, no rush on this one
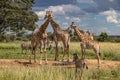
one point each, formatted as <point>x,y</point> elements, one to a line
<point>79,65</point>
<point>52,46</point>
<point>25,47</point>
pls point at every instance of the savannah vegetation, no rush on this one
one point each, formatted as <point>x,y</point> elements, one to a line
<point>54,73</point>
<point>12,50</point>
<point>16,17</point>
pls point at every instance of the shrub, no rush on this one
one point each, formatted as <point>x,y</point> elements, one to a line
<point>103,37</point>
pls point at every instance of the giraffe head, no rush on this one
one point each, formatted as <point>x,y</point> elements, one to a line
<point>48,15</point>
<point>72,25</point>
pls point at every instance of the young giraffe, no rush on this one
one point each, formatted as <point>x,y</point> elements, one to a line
<point>39,38</point>
<point>90,34</point>
<point>59,34</point>
<point>87,43</point>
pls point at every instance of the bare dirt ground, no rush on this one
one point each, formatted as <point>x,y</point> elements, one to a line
<point>90,62</point>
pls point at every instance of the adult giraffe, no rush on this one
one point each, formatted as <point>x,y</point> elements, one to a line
<point>39,38</point>
<point>59,34</point>
<point>87,43</point>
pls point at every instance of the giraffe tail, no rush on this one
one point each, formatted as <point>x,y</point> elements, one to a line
<point>99,54</point>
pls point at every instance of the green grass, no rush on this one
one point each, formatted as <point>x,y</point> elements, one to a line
<point>56,73</point>
<point>109,51</point>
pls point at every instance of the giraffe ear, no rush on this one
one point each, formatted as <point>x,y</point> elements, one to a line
<point>51,12</point>
<point>73,23</point>
<point>46,12</point>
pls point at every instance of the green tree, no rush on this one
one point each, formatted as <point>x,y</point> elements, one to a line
<point>17,14</point>
<point>70,32</point>
<point>50,35</point>
<point>103,37</point>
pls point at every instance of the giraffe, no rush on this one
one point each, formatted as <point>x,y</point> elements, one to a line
<point>39,38</point>
<point>59,34</point>
<point>90,34</point>
<point>87,43</point>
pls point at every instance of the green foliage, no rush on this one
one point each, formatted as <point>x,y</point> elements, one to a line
<point>17,14</point>
<point>74,38</point>
<point>10,37</point>
<point>50,35</point>
<point>70,32</point>
<point>2,37</point>
<point>22,39</point>
<point>114,40</point>
<point>7,37</point>
<point>103,37</point>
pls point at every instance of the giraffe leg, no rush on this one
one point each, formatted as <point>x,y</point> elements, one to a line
<point>34,53</point>
<point>34,56</point>
<point>98,57</point>
<point>40,47</point>
<point>32,45</point>
<point>64,54</point>
<point>40,57</point>
<point>30,55</point>
<point>83,53</point>
<point>56,54</point>
<point>56,47</point>
<point>68,53</point>
<point>46,61</point>
<point>44,41</point>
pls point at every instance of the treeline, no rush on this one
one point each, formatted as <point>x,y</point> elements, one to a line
<point>17,16</point>
<point>103,37</point>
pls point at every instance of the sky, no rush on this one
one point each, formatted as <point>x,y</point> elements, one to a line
<point>94,15</point>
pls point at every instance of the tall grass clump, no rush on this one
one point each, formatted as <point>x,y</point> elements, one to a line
<point>56,73</point>
<point>110,51</point>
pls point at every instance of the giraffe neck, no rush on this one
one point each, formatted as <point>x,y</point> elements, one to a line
<point>55,25</point>
<point>44,26</point>
<point>79,33</point>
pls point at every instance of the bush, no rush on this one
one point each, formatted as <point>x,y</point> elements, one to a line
<point>74,38</point>
<point>2,37</point>
<point>22,39</point>
<point>10,37</point>
<point>115,40</point>
<point>103,37</point>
